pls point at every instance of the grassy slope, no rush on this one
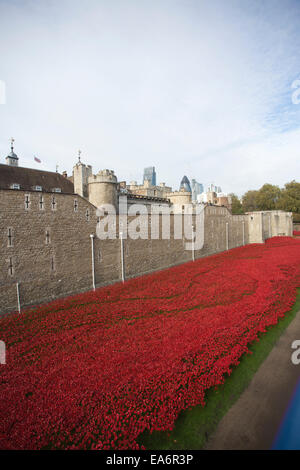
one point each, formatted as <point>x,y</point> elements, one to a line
<point>193,426</point>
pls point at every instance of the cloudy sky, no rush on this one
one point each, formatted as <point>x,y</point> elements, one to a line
<point>196,87</point>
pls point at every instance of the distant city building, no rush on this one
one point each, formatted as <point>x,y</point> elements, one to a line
<point>150,175</point>
<point>185,184</point>
<point>214,198</point>
<point>197,188</point>
<point>214,189</point>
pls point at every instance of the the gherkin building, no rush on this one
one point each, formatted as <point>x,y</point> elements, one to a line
<point>185,184</point>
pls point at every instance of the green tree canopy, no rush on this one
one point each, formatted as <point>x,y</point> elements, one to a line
<point>267,197</point>
<point>236,205</point>
<point>271,197</point>
<point>249,201</point>
<point>289,199</point>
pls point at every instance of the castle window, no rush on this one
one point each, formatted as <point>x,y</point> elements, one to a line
<point>56,190</point>
<point>27,201</point>
<point>75,205</point>
<point>41,202</point>
<point>10,267</point>
<point>87,215</point>
<point>15,186</point>
<point>47,237</point>
<point>37,188</point>
<point>99,256</point>
<point>52,264</point>
<point>10,237</point>
<point>53,203</point>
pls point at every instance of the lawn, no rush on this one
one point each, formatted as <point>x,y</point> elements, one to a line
<point>104,369</point>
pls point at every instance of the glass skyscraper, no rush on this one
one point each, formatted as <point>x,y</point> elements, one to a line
<point>197,188</point>
<point>185,184</point>
<point>150,175</point>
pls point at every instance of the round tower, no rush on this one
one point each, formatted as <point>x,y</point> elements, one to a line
<point>180,197</point>
<point>102,188</point>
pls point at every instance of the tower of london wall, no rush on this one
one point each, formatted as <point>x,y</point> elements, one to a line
<point>46,245</point>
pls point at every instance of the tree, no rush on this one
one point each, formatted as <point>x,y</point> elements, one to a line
<point>267,197</point>
<point>236,205</point>
<point>249,201</point>
<point>289,199</point>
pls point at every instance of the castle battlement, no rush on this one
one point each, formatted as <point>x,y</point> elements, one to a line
<point>103,176</point>
<point>180,197</point>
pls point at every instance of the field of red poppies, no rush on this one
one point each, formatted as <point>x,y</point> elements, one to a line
<point>97,369</point>
<point>296,233</point>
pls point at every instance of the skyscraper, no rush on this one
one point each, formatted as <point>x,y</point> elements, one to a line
<point>214,188</point>
<point>185,184</point>
<point>150,175</point>
<point>197,188</point>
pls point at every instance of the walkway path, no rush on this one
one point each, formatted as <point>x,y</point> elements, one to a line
<point>254,420</point>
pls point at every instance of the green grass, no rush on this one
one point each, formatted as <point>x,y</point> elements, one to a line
<point>194,426</point>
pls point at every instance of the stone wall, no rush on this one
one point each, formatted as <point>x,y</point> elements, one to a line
<point>46,246</point>
<point>50,253</point>
<point>267,224</point>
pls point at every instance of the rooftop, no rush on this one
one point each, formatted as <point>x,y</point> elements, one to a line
<point>29,178</point>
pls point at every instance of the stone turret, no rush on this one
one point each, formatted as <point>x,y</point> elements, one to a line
<point>81,173</point>
<point>102,188</point>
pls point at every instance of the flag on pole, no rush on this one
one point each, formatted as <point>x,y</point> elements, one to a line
<point>37,160</point>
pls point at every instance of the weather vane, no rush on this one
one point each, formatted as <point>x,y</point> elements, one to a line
<point>79,153</point>
<point>12,143</point>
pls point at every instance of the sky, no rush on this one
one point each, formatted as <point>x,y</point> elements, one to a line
<point>203,88</point>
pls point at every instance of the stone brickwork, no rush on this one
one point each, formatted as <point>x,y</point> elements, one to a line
<point>267,224</point>
<point>46,245</point>
<point>102,188</point>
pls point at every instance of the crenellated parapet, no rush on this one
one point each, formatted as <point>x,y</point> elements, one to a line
<point>103,176</point>
<point>180,197</point>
